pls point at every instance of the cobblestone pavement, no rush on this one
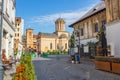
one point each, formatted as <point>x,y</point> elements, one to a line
<point>8,74</point>
<point>60,68</point>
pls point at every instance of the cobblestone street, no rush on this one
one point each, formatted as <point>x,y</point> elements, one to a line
<point>60,68</point>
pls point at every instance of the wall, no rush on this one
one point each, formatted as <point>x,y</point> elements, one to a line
<point>113,31</point>
<point>45,44</point>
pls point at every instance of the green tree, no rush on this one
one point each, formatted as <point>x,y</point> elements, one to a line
<point>102,42</point>
<point>72,41</point>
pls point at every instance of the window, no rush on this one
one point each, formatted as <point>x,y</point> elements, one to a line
<point>65,45</point>
<point>77,33</point>
<point>50,45</point>
<point>30,34</point>
<point>81,31</point>
<point>18,29</point>
<point>103,25</point>
<point>96,27</point>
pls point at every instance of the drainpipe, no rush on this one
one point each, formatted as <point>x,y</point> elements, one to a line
<point>1,34</point>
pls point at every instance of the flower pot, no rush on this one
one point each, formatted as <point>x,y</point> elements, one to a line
<point>102,65</point>
<point>116,68</point>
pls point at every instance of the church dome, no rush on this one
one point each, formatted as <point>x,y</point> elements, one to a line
<point>60,20</point>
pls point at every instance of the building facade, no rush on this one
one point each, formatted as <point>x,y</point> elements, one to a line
<point>113,26</point>
<point>87,27</point>
<point>8,9</point>
<point>105,14</point>
<point>54,41</point>
<point>31,40</point>
<point>18,45</point>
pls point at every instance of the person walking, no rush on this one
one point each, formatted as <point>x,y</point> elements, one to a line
<point>39,53</point>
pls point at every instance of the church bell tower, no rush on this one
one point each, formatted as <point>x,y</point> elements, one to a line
<point>60,25</point>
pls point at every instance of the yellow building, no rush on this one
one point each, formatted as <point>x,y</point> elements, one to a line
<point>54,41</point>
<point>31,40</point>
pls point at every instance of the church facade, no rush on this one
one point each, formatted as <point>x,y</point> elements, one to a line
<point>44,42</point>
<point>56,41</point>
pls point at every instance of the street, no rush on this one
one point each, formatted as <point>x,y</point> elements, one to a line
<point>60,68</point>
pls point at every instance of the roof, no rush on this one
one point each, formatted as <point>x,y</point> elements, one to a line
<point>63,36</point>
<point>29,29</point>
<point>48,34</point>
<point>99,7</point>
<point>60,19</point>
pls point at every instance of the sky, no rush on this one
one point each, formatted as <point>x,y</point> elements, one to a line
<point>41,15</point>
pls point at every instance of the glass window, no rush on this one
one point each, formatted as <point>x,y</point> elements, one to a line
<point>50,45</point>
<point>96,27</point>
<point>65,45</point>
<point>103,25</point>
<point>82,31</point>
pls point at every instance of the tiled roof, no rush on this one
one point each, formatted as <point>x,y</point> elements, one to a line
<point>35,36</point>
<point>48,34</point>
<point>94,10</point>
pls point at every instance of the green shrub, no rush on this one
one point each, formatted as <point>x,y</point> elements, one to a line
<point>29,73</point>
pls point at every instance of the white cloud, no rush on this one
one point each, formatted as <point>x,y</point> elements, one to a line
<point>69,17</point>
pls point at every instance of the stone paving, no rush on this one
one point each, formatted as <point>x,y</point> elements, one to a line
<point>60,68</point>
<point>9,73</point>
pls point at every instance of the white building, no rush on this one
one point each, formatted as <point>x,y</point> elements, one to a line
<point>7,25</point>
<point>113,26</point>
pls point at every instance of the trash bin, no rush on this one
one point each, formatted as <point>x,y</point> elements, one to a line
<point>77,58</point>
<point>1,72</point>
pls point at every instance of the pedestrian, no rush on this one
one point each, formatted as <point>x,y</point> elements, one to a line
<point>39,53</point>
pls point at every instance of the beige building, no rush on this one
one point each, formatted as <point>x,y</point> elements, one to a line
<point>19,24</point>
<point>31,40</point>
<point>107,15</point>
<point>18,46</point>
<point>54,41</point>
<point>89,25</point>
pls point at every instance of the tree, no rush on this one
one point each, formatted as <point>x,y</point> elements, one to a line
<point>102,42</point>
<point>72,41</point>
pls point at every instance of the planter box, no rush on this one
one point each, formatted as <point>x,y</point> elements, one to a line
<point>103,65</point>
<point>116,68</point>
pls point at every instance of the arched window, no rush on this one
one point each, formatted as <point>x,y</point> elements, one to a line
<point>65,45</point>
<point>50,45</point>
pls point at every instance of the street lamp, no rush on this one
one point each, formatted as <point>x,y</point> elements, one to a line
<point>78,55</point>
<point>1,34</point>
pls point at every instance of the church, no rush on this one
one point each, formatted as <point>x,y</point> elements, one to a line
<point>57,40</point>
<point>44,42</point>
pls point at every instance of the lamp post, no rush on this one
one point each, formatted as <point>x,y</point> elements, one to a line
<point>1,34</point>
<point>78,55</point>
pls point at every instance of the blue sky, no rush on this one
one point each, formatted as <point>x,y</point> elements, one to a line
<point>41,14</point>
